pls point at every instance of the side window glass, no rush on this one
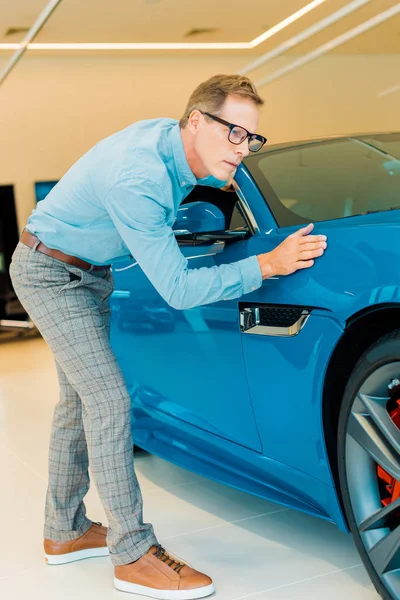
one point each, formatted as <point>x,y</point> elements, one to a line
<point>237,220</point>
<point>330,180</point>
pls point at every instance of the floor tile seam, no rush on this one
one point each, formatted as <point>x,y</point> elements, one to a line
<point>25,464</point>
<point>226,523</point>
<point>162,489</point>
<point>279,587</point>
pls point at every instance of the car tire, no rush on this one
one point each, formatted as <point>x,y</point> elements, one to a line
<point>368,436</point>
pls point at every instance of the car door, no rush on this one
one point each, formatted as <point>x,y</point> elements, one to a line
<point>281,343</point>
<point>290,325</point>
<point>187,364</point>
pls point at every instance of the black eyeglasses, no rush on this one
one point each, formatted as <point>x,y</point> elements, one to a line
<point>238,134</point>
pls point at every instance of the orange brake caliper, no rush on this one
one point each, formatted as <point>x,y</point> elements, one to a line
<point>392,485</point>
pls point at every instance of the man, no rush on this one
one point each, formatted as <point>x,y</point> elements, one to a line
<point>120,200</point>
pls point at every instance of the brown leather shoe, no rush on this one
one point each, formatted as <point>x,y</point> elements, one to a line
<point>159,574</point>
<point>89,545</point>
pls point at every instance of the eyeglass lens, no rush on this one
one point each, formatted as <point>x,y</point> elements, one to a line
<point>237,135</point>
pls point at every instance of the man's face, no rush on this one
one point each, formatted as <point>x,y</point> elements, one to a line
<point>218,155</point>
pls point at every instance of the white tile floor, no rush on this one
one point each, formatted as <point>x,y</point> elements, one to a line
<point>252,548</point>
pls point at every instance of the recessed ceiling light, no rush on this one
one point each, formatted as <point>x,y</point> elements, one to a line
<point>14,30</point>
<point>201,31</point>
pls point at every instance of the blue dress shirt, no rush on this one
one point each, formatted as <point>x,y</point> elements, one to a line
<point>120,199</point>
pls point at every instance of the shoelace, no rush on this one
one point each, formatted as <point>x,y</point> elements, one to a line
<point>165,558</point>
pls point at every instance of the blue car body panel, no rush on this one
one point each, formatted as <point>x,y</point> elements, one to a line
<point>246,410</point>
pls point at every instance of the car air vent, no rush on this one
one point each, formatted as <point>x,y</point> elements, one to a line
<point>279,317</point>
<point>273,320</point>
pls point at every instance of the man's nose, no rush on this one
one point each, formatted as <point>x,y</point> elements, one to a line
<point>243,148</point>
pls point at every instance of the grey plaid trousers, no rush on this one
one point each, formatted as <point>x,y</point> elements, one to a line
<point>92,420</point>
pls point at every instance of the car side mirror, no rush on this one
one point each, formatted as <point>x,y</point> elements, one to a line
<point>198,217</point>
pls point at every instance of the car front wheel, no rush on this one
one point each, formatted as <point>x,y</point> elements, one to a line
<point>369,461</point>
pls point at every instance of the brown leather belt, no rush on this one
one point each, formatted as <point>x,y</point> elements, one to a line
<point>29,239</point>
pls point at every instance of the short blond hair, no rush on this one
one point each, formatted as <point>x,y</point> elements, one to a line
<point>210,95</point>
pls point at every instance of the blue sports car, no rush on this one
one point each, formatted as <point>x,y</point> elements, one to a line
<point>291,392</point>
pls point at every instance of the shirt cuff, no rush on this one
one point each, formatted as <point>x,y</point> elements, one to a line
<point>251,274</point>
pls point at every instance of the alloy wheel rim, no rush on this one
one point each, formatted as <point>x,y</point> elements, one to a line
<point>373,441</point>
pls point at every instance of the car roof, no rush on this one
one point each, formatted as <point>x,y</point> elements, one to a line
<point>318,140</point>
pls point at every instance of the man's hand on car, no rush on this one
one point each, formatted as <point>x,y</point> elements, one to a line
<point>297,251</point>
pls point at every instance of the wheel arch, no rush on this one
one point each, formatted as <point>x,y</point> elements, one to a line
<point>361,331</point>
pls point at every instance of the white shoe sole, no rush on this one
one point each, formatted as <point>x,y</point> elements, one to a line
<point>132,588</point>
<point>63,559</point>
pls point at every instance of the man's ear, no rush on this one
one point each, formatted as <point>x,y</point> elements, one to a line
<point>194,121</point>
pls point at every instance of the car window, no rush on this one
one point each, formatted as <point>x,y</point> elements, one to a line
<point>237,220</point>
<point>330,180</point>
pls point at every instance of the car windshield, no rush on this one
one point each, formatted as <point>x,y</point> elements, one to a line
<point>333,179</point>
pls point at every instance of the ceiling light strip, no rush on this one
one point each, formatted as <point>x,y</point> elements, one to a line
<point>176,45</point>
<point>332,44</point>
<point>143,46</point>
<point>32,33</point>
<point>304,35</point>
<point>286,22</point>
<point>391,90</point>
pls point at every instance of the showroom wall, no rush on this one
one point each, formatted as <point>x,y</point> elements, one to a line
<point>53,108</point>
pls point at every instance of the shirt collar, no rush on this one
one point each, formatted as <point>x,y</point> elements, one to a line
<point>184,172</point>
